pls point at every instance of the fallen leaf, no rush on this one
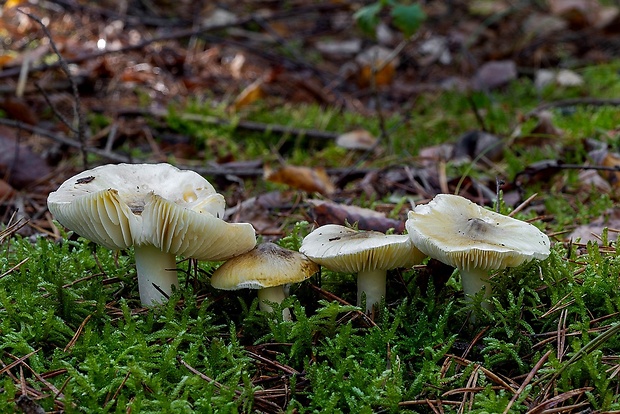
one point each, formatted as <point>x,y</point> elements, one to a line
<point>13,3</point>
<point>435,49</point>
<point>329,212</point>
<point>590,231</point>
<point>219,17</point>
<point>494,74</point>
<point>612,160</point>
<point>259,211</point>
<point>430,156</point>
<point>252,93</point>
<point>19,165</point>
<point>302,178</point>
<point>543,133</point>
<point>591,179</point>
<point>18,109</point>
<point>567,77</point>
<point>476,144</point>
<point>608,19</point>
<point>358,139</point>
<point>578,13</point>
<point>5,59</point>
<point>538,24</point>
<point>339,48</point>
<point>376,64</point>
<point>6,190</point>
<point>545,125</point>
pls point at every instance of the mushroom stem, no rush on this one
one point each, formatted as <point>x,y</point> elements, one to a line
<point>473,281</point>
<point>372,284</point>
<point>273,294</point>
<point>155,268</point>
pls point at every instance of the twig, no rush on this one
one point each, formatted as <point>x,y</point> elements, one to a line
<point>278,365</point>
<point>331,296</point>
<point>489,374</point>
<point>550,406</point>
<point>526,381</point>
<point>53,108</point>
<point>77,334</point>
<point>573,102</point>
<point>118,390</point>
<point>257,400</point>
<point>522,205</point>
<point>586,349</point>
<point>17,361</point>
<point>77,107</point>
<point>14,267</point>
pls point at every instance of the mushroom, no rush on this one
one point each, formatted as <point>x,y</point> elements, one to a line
<point>370,254</point>
<point>159,210</point>
<point>464,235</point>
<point>268,268</point>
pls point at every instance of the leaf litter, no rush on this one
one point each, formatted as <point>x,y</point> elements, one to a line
<point>132,59</point>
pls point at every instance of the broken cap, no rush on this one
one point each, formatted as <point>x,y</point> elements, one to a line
<point>160,210</point>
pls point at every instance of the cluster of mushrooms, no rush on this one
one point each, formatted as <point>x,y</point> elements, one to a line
<point>164,212</point>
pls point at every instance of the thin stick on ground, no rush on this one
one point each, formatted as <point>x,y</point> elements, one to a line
<point>527,380</point>
<point>77,106</point>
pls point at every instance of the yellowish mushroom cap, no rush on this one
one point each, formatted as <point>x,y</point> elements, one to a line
<point>267,265</point>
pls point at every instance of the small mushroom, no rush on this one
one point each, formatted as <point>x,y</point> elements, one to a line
<point>268,268</point>
<point>159,210</point>
<point>473,239</point>
<point>370,254</point>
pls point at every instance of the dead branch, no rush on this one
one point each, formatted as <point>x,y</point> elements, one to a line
<point>77,106</point>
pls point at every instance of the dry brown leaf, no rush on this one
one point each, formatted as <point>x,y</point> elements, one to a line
<point>6,190</point>
<point>19,109</point>
<point>591,179</point>
<point>252,93</point>
<point>329,212</point>
<point>473,145</point>
<point>608,18</point>
<point>612,160</point>
<point>307,179</point>
<point>544,133</point>
<point>358,139</point>
<point>494,74</point>
<point>377,61</point>
<point>19,165</point>
<point>592,231</point>
<point>5,60</point>
<point>578,13</point>
<point>13,3</point>
<point>258,211</point>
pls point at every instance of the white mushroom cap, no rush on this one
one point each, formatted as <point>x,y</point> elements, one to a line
<point>465,235</point>
<point>268,267</point>
<point>343,249</point>
<point>473,239</point>
<point>368,253</point>
<point>153,207</point>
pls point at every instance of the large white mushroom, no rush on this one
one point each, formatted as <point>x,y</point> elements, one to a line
<point>268,268</point>
<point>159,210</point>
<point>370,254</point>
<point>473,239</point>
